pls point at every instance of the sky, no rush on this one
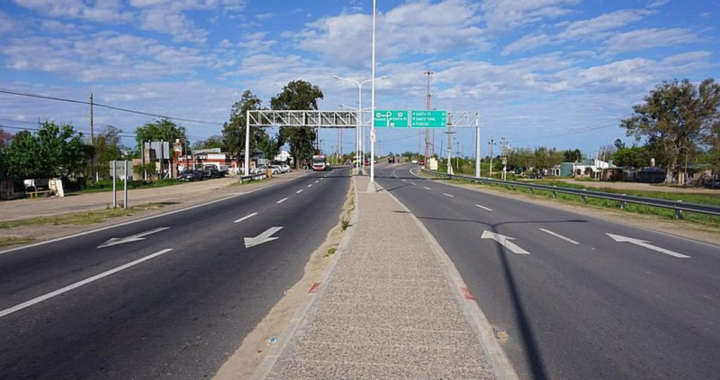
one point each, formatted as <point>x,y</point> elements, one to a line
<point>554,73</point>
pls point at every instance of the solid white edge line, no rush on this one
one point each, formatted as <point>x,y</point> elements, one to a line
<point>448,195</point>
<point>80,283</point>
<point>245,217</point>
<point>484,208</point>
<point>282,200</point>
<point>299,191</point>
<point>559,236</point>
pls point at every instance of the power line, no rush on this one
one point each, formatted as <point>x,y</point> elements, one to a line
<point>46,97</point>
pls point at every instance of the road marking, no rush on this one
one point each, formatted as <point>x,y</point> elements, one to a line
<point>505,242</point>
<point>310,185</point>
<point>448,195</point>
<point>299,191</point>
<point>645,244</point>
<point>263,237</point>
<point>245,217</point>
<point>413,183</point>
<point>282,200</point>
<point>80,283</point>
<point>484,208</point>
<point>427,188</point>
<point>131,238</point>
<point>404,180</point>
<point>559,236</point>
<point>317,181</point>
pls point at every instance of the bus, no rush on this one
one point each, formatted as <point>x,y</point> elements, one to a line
<point>319,162</point>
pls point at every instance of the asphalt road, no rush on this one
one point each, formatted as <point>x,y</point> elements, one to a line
<point>575,302</point>
<point>171,296</point>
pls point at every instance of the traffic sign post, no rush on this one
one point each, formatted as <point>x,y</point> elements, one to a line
<point>391,118</point>
<point>428,119</point>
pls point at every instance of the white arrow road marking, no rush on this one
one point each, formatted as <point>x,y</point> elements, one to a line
<point>131,238</point>
<point>505,242</point>
<point>282,200</point>
<point>484,208</point>
<point>559,236</point>
<point>643,243</point>
<point>299,191</point>
<point>427,188</point>
<point>262,238</point>
<point>448,195</point>
<point>245,217</point>
<point>80,283</point>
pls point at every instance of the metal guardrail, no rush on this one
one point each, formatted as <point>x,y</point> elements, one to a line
<point>677,205</point>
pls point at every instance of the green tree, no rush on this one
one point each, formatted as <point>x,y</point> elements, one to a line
<point>107,145</point>
<point>298,95</point>
<point>55,150</point>
<point>234,131</point>
<point>160,130</point>
<point>636,157</point>
<point>211,143</point>
<point>572,155</point>
<point>619,144</point>
<point>673,117</point>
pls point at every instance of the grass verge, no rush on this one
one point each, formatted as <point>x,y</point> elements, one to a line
<point>83,218</point>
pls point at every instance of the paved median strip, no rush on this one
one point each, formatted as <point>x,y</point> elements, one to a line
<point>79,284</point>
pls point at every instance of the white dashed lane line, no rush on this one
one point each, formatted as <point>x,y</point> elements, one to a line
<point>282,200</point>
<point>245,217</point>
<point>299,191</point>
<point>559,236</point>
<point>484,208</point>
<point>427,188</point>
<point>448,195</point>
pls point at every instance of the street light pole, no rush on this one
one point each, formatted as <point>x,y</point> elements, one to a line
<point>371,187</point>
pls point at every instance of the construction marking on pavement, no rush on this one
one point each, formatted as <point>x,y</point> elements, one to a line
<point>505,242</point>
<point>299,191</point>
<point>645,244</point>
<point>282,200</point>
<point>484,208</point>
<point>559,236</point>
<point>448,195</point>
<point>314,288</point>
<point>467,294</point>
<point>427,188</point>
<point>80,283</point>
<point>245,217</point>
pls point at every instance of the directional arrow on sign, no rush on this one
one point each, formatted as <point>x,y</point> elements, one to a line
<point>645,244</point>
<point>505,242</point>
<point>131,238</point>
<point>262,238</point>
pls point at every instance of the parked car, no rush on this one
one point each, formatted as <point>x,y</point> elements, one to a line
<point>421,162</point>
<point>276,169</point>
<point>191,175</point>
<point>211,172</point>
<point>286,167</point>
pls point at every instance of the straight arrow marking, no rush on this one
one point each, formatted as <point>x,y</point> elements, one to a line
<point>559,236</point>
<point>245,217</point>
<point>505,242</point>
<point>645,244</point>
<point>262,238</point>
<point>131,238</point>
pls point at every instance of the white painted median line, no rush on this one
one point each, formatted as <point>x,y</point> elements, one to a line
<point>299,191</point>
<point>245,217</point>
<point>448,195</point>
<point>484,208</point>
<point>282,200</point>
<point>559,236</point>
<point>505,242</point>
<point>645,244</point>
<point>80,283</point>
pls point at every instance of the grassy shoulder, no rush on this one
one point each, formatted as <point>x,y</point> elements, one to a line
<point>107,185</point>
<point>83,218</point>
<point>667,214</point>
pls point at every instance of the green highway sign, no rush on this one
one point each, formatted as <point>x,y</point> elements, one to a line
<point>428,119</point>
<point>391,118</point>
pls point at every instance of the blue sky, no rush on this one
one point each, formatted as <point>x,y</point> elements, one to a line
<point>556,73</point>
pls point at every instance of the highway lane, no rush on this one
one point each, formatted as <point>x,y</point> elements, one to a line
<point>180,313</point>
<point>576,303</point>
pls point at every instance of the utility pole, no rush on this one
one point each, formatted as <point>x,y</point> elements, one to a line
<point>91,119</point>
<point>427,106</point>
<point>491,143</point>
<point>449,148</point>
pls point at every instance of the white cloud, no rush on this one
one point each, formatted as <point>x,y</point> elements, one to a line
<point>649,38</point>
<point>657,3</point>
<point>264,16</point>
<point>411,28</point>
<point>100,11</point>
<point>256,42</point>
<point>502,15</point>
<point>7,24</point>
<point>596,28</point>
<point>529,42</point>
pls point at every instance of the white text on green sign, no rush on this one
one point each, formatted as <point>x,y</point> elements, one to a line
<point>428,119</point>
<point>391,118</point>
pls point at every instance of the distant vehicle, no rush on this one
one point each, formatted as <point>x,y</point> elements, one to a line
<point>391,159</point>
<point>222,169</point>
<point>191,175</point>
<point>286,167</point>
<point>414,161</point>
<point>319,162</point>
<point>421,162</point>
<point>367,162</point>
<point>277,169</point>
<point>211,172</point>
<point>348,162</point>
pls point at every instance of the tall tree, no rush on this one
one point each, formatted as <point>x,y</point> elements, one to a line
<point>55,150</point>
<point>234,130</point>
<point>298,95</point>
<point>107,144</point>
<point>160,130</point>
<point>674,117</point>
<point>211,143</point>
<point>572,155</point>
<point>5,138</point>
